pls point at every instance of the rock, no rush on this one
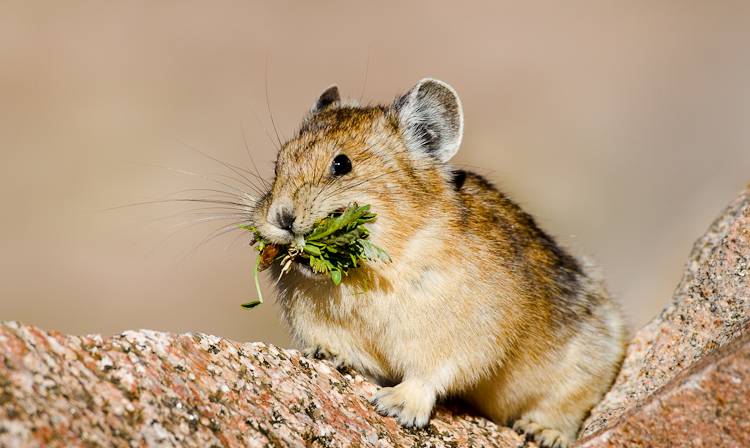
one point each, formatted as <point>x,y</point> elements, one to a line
<point>145,388</point>
<point>705,405</point>
<point>710,310</point>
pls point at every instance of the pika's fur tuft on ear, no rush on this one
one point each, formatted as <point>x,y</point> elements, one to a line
<point>431,119</point>
<point>329,97</point>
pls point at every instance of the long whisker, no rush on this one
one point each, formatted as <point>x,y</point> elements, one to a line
<point>235,169</point>
<point>256,189</point>
<point>181,227</point>
<point>217,233</point>
<point>265,130</point>
<point>367,69</point>
<point>202,176</point>
<point>252,161</point>
<point>196,221</point>
<point>268,107</point>
<point>234,241</point>
<point>243,195</point>
<point>179,200</point>
<point>210,214</point>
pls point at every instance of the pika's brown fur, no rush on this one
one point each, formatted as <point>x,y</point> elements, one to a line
<point>478,302</point>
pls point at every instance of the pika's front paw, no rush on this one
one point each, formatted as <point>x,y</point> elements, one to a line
<point>545,437</point>
<point>409,403</point>
<point>320,352</point>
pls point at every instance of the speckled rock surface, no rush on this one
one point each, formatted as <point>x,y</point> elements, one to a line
<point>705,405</point>
<point>145,388</point>
<point>710,309</point>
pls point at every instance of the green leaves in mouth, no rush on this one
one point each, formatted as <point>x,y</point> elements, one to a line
<point>335,245</point>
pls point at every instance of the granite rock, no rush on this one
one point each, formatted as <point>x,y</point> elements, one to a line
<point>145,388</point>
<point>710,309</point>
<point>705,405</point>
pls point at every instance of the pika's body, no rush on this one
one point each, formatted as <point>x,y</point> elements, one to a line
<point>477,303</point>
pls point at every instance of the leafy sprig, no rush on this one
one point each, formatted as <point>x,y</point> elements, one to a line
<point>335,245</point>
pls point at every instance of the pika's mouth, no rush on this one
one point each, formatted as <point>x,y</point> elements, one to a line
<point>337,243</point>
<point>272,253</point>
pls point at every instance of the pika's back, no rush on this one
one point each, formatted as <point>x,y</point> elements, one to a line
<point>545,270</point>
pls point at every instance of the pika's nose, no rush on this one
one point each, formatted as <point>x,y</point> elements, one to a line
<point>285,219</point>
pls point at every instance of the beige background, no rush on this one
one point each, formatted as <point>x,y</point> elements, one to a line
<point>623,126</point>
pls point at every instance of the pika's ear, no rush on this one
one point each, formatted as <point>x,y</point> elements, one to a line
<point>431,119</point>
<point>329,97</point>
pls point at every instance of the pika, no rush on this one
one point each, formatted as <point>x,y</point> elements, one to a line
<point>477,303</point>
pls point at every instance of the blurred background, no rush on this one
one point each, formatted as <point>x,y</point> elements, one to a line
<point>622,126</point>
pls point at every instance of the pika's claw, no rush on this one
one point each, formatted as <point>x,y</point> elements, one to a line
<point>409,403</point>
<point>545,437</point>
<point>320,352</point>
<point>316,352</point>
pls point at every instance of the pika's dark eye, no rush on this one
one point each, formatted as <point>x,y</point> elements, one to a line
<point>341,165</point>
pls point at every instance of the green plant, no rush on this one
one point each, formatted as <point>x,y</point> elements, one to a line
<point>335,245</point>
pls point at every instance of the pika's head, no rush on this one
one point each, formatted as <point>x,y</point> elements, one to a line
<point>392,157</point>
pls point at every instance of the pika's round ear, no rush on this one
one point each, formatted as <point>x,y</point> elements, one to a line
<point>330,96</point>
<point>431,119</point>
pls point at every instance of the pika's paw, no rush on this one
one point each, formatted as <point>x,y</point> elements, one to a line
<point>409,403</point>
<point>320,352</point>
<point>545,437</point>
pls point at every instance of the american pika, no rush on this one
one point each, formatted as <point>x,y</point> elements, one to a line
<point>478,302</point>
